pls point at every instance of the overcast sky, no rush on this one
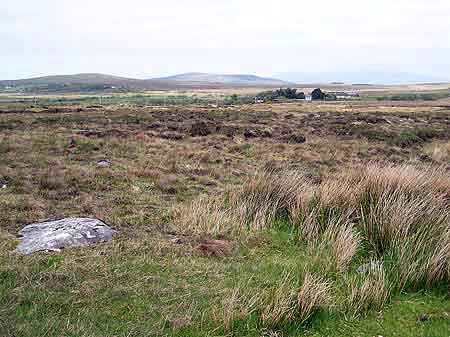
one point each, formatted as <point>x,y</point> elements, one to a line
<point>147,38</point>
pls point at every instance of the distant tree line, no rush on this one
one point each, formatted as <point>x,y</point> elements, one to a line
<point>287,93</point>
<point>290,93</point>
<point>318,94</point>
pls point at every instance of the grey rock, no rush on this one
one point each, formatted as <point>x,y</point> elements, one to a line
<point>3,184</point>
<point>363,269</point>
<point>104,163</point>
<point>177,241</point>
<point>424,318</point>
<point>65,233</point>
<point>366,268</point>
<point>250,134</point>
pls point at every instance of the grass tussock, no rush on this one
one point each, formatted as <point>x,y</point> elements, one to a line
<point>255,206</point>
<point>240,304</point>
<point>438,151</point>
<point>369,292</point>
<point>384,229</point>
<point>289,303</point>
<point>346,241</point>
<point>293,299</point>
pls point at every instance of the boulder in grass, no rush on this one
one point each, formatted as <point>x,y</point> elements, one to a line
<point>53,236</point>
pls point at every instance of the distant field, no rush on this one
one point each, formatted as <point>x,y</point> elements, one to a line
<point>239,220</point>
<point>407,92</point>
<point>242,95</point>
<point>136,99</point>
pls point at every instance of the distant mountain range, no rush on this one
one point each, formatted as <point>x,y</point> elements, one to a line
<point>73,79</point>
<point>92,81</point>
<point>188,80</point>
<point>223,79</point>
<point>78,79</point>
<point>367,77</point>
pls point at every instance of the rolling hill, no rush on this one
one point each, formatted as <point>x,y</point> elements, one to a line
<point>182,81</point>
<point>77,79</point>
<point>236,79</point>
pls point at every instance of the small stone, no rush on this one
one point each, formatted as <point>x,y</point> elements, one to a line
<point>366,268</point>
<point>72,143</point>
<point>3,183</point>
<point>363,269</point>
<point>250,134</point>
<point>177,241</point>
<point>424,318</point>
<point>104,163</point>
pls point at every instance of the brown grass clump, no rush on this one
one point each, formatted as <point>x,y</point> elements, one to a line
<point>371,292</point>
<point>206,215</point>
<point>267,196</point>
<point>7,242</point>
<point>398,216</point>
<point>438,151</point>
<point>288,301</point>
<point>312,297</point>
<point>254,206</point>
<point>397,211</point>
<point>167,183</point>
<point>238,305</point>
<point>345,243</point>
<point>281,303</point>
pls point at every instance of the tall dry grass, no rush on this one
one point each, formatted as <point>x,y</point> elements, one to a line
<point>240,304</point>
<point>396,217</point>
<point>264,198</point>
<point>288,303</point>
<point>291,300</point>
<point>370,292</point>
<point>438,151</point>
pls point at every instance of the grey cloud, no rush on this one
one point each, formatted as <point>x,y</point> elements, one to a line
<point>148,37</point>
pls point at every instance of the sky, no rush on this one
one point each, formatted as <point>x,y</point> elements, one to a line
<point>148,38</point>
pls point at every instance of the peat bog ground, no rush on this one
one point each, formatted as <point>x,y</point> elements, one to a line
<point>291,219</point>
